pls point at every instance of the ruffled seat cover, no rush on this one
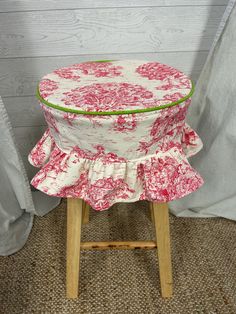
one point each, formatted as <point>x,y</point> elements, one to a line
<point>116,133</point>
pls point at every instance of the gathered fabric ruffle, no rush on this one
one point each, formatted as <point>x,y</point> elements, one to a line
<point>161,177</point>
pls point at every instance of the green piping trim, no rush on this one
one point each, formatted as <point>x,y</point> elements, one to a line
<point>106,113</point>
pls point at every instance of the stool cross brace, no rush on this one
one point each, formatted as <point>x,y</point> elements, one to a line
<point>78,214</point>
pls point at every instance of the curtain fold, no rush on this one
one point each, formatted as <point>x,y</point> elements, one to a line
<point>213,114</point>
<point>18,204</point>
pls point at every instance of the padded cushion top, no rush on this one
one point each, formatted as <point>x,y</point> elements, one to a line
<point>114,87</point>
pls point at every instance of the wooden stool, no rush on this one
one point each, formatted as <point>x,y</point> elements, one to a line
<point>78,213</point>
<point>123,121</point>
<point>116,132</point>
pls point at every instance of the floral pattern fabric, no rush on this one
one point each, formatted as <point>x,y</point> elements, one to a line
<point>105,159</point>
<point>114,85</point>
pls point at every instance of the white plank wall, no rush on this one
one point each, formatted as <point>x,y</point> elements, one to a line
<point>39,36</point>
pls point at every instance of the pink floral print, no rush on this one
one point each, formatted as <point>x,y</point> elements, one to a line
<point>53,167</point>
<point>157,71</point>
<point>125,123</point>
<point>190,141</point>
<point>103,69</point>
<point>99,69</point>
<point>100,154</point>
<point>101,193</point>
<point>41,152</point>
<point>79,187</point>
<point>51,120</point>
<point>170,123</point>
<point>105,159</point>
<point>173,97</point>
<point>160,176</point>
<point>108,96</point>
<point>47,87</point>
<point>169,84</point>
<point>69,117</point>
<point>114,85</point>
<point>68,73</point>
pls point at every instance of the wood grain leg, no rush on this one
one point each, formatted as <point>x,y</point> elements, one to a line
<point>74,220</point>
<point>161,221</point>
<point>151,211</point>
<point>86,208</point>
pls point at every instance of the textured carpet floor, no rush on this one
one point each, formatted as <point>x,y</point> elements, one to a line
<point>203,257</point>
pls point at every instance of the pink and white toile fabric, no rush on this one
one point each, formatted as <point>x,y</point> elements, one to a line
<point>124,157</point>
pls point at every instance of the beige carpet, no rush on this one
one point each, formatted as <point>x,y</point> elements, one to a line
<point>203,256</point>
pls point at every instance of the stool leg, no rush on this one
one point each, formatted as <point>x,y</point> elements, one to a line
<point>85,213</point>
<point>74,220</point>
<point>161,221</point>
<point>151,211</point>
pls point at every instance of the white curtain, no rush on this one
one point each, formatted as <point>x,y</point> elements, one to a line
<point>213,115</point>
<point>17,204</point>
